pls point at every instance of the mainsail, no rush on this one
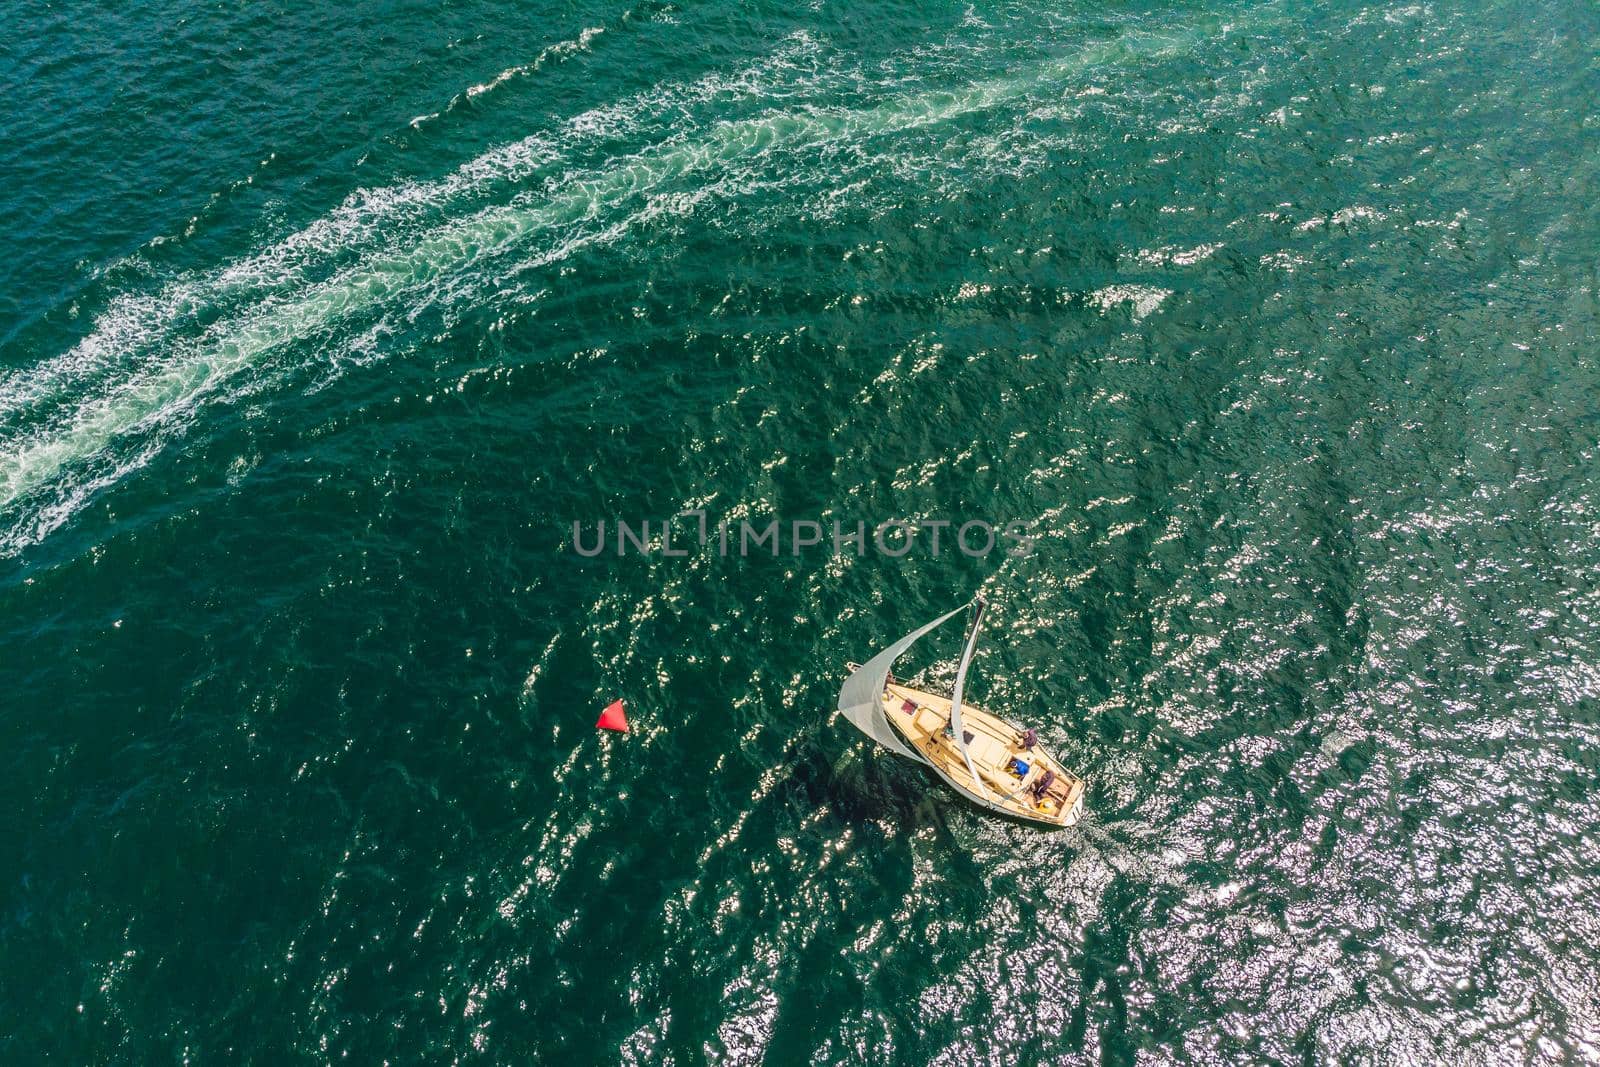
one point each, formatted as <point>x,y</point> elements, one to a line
<point>955,696</point>
<point>861,698</point>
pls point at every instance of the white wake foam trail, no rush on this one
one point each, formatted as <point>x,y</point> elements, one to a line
<point>551,54</point>
<point>554,52</point>
<point>171,387</point>
<point>134,322</point>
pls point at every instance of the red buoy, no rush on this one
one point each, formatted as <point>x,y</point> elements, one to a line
<point>613,718</point>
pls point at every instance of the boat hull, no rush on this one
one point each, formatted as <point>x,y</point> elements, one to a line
<point>921,719</point>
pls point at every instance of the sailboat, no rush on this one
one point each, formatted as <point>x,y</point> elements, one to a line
<point>994,763</point>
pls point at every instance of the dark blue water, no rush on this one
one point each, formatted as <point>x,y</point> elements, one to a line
<point>1274,326</point>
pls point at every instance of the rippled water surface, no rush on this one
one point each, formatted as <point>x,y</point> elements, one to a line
<point>1276,324</point>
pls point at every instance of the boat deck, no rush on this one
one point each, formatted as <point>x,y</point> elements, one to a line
<point>921,717</point>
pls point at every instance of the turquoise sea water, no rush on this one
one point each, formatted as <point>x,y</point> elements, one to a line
<point>1276,325</point>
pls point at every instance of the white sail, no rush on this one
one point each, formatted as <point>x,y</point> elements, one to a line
<point>955,696</point>
<point>861,697</point>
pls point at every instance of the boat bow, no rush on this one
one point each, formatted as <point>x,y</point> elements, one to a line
<point>861,697</point>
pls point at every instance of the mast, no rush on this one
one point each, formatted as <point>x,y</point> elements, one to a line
<point>961,682</point>
<point>861,698</point>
